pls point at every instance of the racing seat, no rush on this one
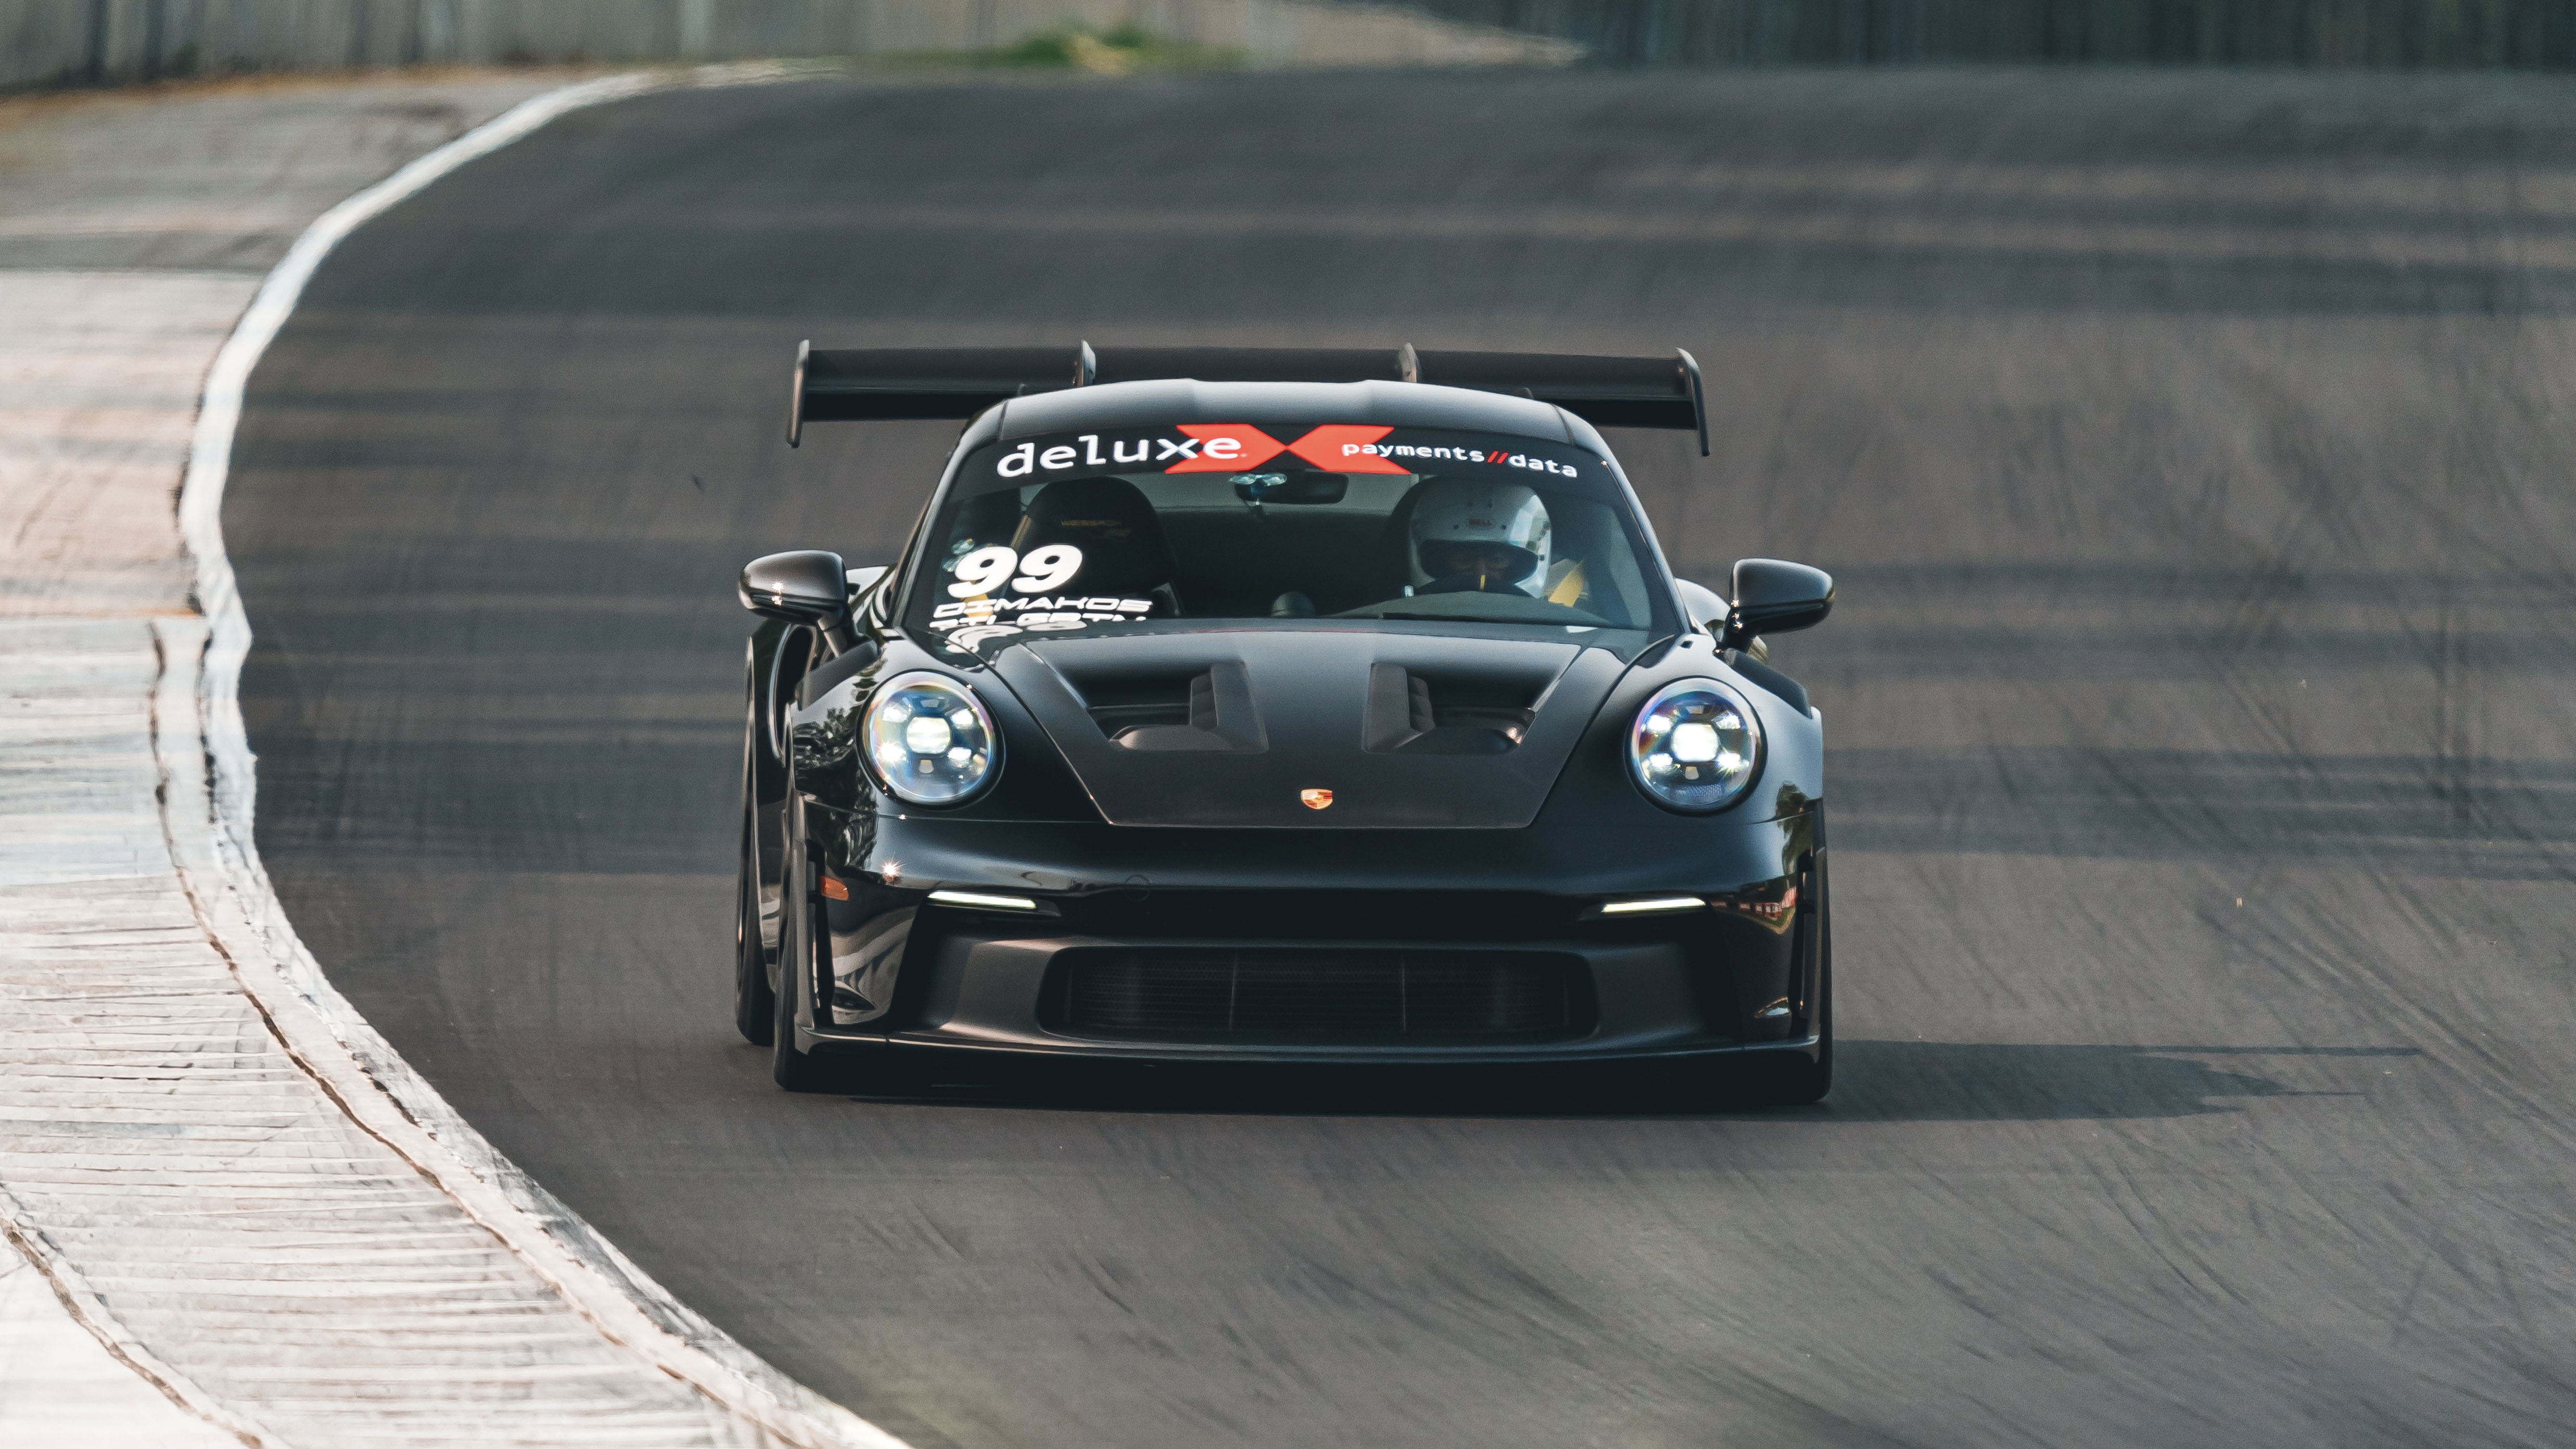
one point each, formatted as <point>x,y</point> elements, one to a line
<point>1123,549</point>
<point>1395,544</point>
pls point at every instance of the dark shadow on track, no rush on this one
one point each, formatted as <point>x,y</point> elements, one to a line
<point>1879,1081</point>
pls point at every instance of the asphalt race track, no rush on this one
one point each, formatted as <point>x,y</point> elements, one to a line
<point>2194,453</point>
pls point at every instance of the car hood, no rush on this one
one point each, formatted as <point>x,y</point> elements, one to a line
<point>1312,729</point>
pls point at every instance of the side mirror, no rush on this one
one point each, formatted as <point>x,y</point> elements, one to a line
<point>1775,597</point>
<point>808,586</point>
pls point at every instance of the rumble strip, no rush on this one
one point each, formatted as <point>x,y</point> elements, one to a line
<point>221,1171</point>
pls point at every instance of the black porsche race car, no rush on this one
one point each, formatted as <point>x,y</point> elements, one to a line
<point>1283,706</point>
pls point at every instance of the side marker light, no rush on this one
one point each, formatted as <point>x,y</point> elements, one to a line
<point>1652,906</point>
<point>834,890</point>
<point>982,902</point>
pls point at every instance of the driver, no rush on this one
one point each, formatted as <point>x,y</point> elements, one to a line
<point>1482,538</point>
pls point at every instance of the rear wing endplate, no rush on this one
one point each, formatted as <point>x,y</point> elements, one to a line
<point>959,382</point>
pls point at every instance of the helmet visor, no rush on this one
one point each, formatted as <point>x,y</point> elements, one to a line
<point>1494,563</point>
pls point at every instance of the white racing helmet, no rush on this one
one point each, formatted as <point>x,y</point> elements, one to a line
<point>1486,536</point>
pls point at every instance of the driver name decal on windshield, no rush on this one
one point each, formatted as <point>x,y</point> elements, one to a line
<point>970,623</point>
<point>980,620</point>
<point>1102,610</point>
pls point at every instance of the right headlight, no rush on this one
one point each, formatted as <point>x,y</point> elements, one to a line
<point>930,740</point>
<point>1696,746</point>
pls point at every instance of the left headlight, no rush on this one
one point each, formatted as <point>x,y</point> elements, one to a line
<point>930,739</point>
<point>1696,746</point>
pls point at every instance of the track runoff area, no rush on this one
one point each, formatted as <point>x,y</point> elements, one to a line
<point>2189,448</point>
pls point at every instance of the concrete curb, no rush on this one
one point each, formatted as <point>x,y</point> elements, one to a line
<point>241,912</point>
<point>380,1214</point>
<point>87,1309</point>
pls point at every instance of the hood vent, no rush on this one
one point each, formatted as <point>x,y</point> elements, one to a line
<point>1408,714</point>
<point>1238,727</point>
<point>1209,710</point>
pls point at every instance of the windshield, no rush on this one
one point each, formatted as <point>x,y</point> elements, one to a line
<point>1152,528</point>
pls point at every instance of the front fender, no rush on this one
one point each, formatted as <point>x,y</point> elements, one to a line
<point>1035,783</point>
<point>1595,791</point>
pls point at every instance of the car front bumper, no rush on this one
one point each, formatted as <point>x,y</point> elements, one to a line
<point>1173,946</point>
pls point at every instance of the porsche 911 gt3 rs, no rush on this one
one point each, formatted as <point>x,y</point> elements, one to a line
<point>1282,706</point>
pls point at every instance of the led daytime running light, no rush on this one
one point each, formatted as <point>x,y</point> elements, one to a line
<point>1653,906</point>
<point>978,900</point>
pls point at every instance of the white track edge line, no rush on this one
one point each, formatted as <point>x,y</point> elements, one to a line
<point>327,1036</point>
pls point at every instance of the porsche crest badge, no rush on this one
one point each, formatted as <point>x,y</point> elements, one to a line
<point>1314,799</point>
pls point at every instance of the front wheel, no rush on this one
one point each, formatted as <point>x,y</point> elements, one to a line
<point>800,944</point>
<point>873,1070</point>
<point>755,1005</point>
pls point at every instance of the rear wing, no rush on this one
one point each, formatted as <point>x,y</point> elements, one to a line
<point>959,382</point>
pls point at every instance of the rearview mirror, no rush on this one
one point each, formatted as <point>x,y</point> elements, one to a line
<point>808,586</point>
<point>1774,597</point>
<point>1309,488</point>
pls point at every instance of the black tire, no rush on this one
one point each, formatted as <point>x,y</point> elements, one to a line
<point>755,1005</point>
<point>853,1070</point>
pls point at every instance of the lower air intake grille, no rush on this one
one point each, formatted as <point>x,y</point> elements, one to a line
<point>1323,996</point>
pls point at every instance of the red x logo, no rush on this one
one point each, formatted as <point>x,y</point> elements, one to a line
<point>1240,447</point>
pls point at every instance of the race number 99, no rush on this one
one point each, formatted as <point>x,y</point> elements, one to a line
<point>1044,571</point>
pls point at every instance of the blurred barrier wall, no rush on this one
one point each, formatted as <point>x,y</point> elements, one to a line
<point>2205,32</point>
<point>71,42</point>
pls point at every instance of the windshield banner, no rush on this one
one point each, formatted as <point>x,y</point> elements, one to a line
<point>1239,447</point>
